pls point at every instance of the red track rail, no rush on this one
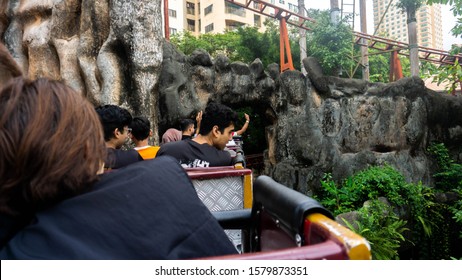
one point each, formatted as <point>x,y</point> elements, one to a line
<point>375,42</point>
<point>388,45</point>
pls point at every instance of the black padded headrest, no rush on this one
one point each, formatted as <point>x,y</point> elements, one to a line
<point>287,205</point>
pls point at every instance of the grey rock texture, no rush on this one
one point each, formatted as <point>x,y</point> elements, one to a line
<point>322,124</point>
<point>109,51</point>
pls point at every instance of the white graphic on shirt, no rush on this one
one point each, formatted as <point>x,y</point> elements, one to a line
<point>195,163</point>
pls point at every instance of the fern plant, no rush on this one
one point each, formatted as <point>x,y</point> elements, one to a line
<point>382,228</point>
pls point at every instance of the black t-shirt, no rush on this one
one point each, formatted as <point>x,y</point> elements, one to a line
<point>186,137</point>
<point>117,158</point>
<point>148,210</point>
<point>192,154</point>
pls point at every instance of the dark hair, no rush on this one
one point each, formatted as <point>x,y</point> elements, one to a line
<point>217,114</point>
<point>51,144</point>
<point>112,117</point>
<point>140,128</point>
<point>185,124</point>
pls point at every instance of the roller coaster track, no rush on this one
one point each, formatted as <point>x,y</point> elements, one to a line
<point>379,44</point>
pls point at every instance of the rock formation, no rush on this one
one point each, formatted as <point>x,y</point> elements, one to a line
<point>109,51</point>
<point>320,124</point>
<point>113,52</point>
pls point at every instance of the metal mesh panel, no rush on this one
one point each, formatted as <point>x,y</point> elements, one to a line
<point>223,194</point>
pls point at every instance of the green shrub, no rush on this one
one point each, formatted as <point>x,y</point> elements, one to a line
<point>449,175</point>
<point>416,200</point>
<point>382,228</point>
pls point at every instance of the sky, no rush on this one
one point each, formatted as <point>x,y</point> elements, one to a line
<point>448,19</point>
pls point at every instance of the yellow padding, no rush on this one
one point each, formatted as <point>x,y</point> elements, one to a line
<point>357,246</point>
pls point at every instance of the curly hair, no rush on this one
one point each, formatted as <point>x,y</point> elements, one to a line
<point>217,114</point>
<point>51,143</point>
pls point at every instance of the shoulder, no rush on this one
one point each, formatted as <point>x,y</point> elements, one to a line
<point>173,145</point>
<point>132,203</point>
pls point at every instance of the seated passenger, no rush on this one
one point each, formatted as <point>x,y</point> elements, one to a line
<point>54,205</point>
<point>232,144</point>
<point>206,149</point>
<point>187,129</point>
<point>141,131</point>
<point>115,121</point>
<point>171,135</point>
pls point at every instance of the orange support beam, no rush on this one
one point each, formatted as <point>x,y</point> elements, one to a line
<point>166,22</point>
<point>284,46</point>
<point>396,71</point>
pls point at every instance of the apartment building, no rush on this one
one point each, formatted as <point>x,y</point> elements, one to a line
<point>393,23</point>
<point>216,16</point>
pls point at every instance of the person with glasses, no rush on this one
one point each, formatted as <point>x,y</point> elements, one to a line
<point>116,121</point>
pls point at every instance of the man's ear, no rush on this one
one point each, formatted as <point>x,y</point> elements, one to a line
<point>116,133</point>
<point>215,131</point>
<point>150,133</point>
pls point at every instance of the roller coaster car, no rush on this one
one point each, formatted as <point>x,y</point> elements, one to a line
<point>281,223</point>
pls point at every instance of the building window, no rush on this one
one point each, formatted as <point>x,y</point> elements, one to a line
<point>172,31</point>
<point>234,9</point>
<point>209,28</point>
<point>191,25</point>
<point>190,8</point>
<point>257,20</point>
<point>208,10</point>
<point>282,2</point>
<point>172,13</point>
<point>233,25</point>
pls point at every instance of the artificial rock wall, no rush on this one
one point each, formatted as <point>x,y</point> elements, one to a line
<point>319,124</point>
<point>108,50</point>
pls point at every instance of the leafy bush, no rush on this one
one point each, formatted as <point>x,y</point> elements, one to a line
<point>382,228</point>
<point>449,176</point>
<point>413,200</point>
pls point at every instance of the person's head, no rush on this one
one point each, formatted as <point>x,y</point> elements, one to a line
<point>141,128</point>
<point>171,135</point>
<point>115,121</point>
<point>51,144</point>
<point>187,127</point>
<point>218,123</point>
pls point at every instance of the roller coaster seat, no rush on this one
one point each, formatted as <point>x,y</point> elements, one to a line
<point>285,224</point>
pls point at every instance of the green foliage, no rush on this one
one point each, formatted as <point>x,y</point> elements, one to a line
<point>409,6</point>
<point>330,44</point>
<point>449,176</point>
<point>444,73</point>
<point>245,44</point>
<point>384,181</point>
<point>456,210</point>
<point>379,65</point>
<point>449,73</point>
<point>222,43</point>
<point>382,228</point>
<point>369,184</point>
<point>433,232</point>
